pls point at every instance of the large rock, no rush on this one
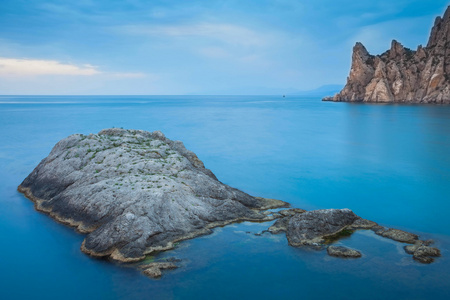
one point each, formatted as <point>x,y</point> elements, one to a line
<point>401,74</point>
<point>310,228</point>
<point>135,192</point>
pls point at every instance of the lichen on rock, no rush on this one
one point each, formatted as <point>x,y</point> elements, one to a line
<point>135,192</point>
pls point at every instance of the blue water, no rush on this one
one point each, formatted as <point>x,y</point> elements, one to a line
<point>388,163</point>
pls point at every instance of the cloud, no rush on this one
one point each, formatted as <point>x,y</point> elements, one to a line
<point>33,67</point>
<point>15,67</point>
<point>222,32</point>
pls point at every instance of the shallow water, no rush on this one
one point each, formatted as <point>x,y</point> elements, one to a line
<point>388,163</point>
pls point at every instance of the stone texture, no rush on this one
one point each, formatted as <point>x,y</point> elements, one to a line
<point>344,252</point>
<point>153,270</point>
<point>398,235</point>
<point>422,252</point>
<point>310,228</point>
<point>361,223</point>
<point>134,192</point>
<point>401,74</point>
<point>281,224</point>
<point>320,227</point>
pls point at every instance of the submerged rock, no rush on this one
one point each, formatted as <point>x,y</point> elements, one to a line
<point>422,252</point>
<point>341,251</point>
<point>134,192</point>
<point>153,270</point>
<point>318,228</point>
<point>398,235</point>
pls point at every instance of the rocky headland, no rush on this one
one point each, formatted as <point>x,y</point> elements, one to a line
<point>135,193</point>
<point>400,74</point>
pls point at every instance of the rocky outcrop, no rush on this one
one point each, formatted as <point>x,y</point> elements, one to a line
<point>422,252</point>
<point>283,220</point>
<point>398,235</point>
<point>135,192</point>
<point>153,270</point>
<point>319,228</point>
<point>401,74</point>
<point>344,252</point>
<point>311,228</point>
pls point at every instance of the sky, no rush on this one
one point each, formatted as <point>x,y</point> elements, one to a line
<point>138,47</point>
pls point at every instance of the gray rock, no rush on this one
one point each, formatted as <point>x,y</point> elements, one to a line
<point>310,228</point>
<point>424,259</point>
<point>401,74</point>
<point>341,251</point>
<point>280,225</point>
<point>135,192</point>
<point>153,270</point>
<point>427,251</point>
<point>284,216</point>
<point>398,235</point>
<point>422,252</point>
<point>319,227</point>
<point>291,211</point>
<point>361,223</point>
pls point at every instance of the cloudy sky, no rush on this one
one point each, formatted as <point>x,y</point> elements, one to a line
<point>196,47</point>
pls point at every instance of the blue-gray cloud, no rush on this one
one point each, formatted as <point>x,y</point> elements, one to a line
<point>202,46</point>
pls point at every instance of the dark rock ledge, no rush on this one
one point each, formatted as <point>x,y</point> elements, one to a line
<point>135,193</point>
<point>341,251</point>
<point>320,228</point>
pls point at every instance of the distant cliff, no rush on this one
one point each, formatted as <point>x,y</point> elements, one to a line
<point>401,74</point>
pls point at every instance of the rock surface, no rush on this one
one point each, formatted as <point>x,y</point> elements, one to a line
<point>401,74</point>
<point>398,235</point>
<point>283,221</point>
<point>153,270</point>
<point>135,192</point>
<point>422,252</point>
<point>318,228</point>
<point>310,228</point>
<point>341,251</point>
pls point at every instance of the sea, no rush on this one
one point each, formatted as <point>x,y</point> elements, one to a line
<point>389,163</point>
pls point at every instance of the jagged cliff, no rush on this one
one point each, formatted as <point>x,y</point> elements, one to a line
<point>401,74</point>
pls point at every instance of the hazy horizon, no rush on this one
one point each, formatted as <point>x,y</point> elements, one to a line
<point>202,48</point>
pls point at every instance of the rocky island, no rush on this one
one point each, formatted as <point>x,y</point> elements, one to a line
<point>134,193</point>
<point>402,75</point>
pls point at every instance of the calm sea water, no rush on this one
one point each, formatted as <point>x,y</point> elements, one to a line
<point>388,163</point>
